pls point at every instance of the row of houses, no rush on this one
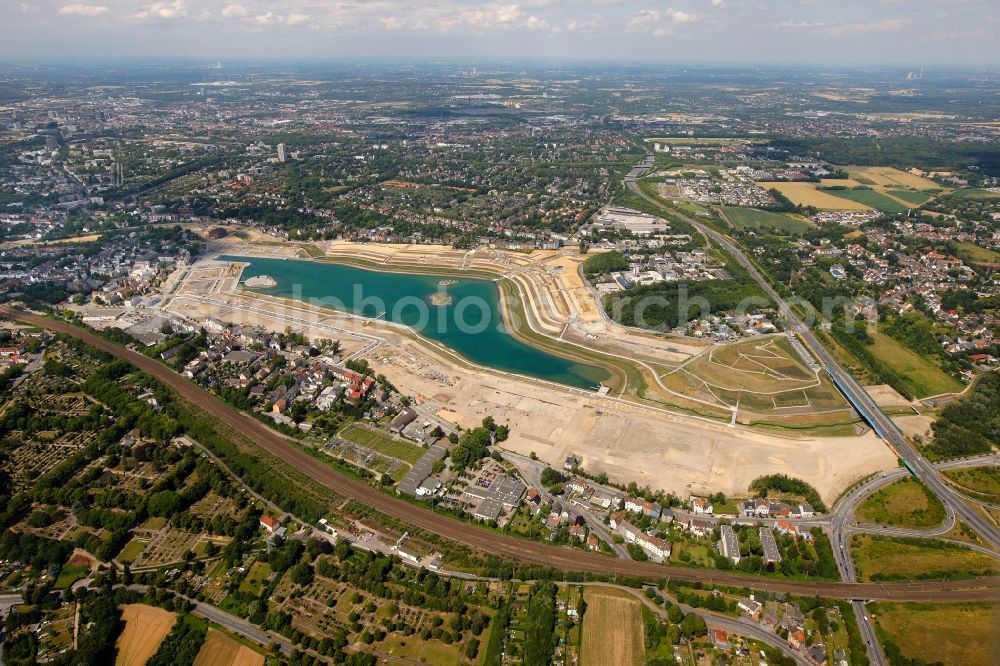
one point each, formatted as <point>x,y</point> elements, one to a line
<point>656,548</point>
<point>761,507</point>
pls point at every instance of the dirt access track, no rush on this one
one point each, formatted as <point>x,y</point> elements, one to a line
<point>487,541</point>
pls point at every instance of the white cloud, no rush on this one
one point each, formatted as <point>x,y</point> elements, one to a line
<point>391,23</point>
<point>234,11</point>
<point>657,23</point>
<point>297,19</point>
<point>165,11</point>
<point>25,8</point>
<point>535,23</point>
<point>678,16</point>
<point>508,13</point>
<point>79,9</point>
<point>269,17</point>
<point>838,29</point>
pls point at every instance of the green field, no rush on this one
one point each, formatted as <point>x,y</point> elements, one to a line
<point>973,252</point>
<point>415,649</point>
<point>761,219</point>
<point>983,482</point>
<point>950,634</point>
<point>131,551</point>
<point>912,196</point>
<point>254,581</point>
<point>924,378</point>
<point>882,558</point>
<point>975,193</point>
<point>154,523</point>
<point>382,442</point>
<point>69,575</point>
<point>906,503</point>
<point>871,198</point>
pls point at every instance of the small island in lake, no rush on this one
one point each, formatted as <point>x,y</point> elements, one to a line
<point>441,298</point>
<point>258,281</point>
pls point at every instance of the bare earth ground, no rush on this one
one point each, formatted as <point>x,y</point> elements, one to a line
<point>915,425</point>
<point>145,628</point>
<point>886,396</point>
<point>612,629</point>
<point>630,442</point>
<point>221,650</point>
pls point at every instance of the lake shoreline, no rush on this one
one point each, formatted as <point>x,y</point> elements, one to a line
<point>505,350</point>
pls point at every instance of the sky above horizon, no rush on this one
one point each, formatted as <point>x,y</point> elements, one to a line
<point>833,32</point>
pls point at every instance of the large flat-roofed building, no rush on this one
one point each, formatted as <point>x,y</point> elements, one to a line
<point>420,471</point>
<point>637,222</point>
<point>729,545</point>
<point>771,552</point>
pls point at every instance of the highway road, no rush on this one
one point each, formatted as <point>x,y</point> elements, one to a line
<point>866,407</point>
<point>855,393</point>
<point>238,625</point>
<point>487,541</point>
<point>842,523</point>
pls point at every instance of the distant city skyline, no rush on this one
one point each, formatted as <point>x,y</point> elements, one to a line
<point>848,32</point>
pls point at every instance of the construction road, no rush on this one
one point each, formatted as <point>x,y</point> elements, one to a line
<point>541,554</point>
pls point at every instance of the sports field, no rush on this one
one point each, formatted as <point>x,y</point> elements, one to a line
<point>384,443</point>
<point>752,218</point>
<point>145,629</point>
<point>950,634</point>
<point>612,629</point>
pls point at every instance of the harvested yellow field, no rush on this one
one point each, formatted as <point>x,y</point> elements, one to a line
<point>806,194</point>
<point>839,182</point>
<point>145,629</point>
<point>612,629</point>
<point>890,177</point>
<point>221,650</point>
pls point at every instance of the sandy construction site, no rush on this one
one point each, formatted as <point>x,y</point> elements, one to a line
<point>629,441</point>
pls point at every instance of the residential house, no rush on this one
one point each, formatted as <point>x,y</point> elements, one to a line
<point>751,607</point>
<point>699,505</point>
<point>700,527</point>
<point>720,639</point>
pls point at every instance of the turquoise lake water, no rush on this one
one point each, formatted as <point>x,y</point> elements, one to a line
<point>470,324</point>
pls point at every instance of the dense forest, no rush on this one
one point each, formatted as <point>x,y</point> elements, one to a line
<point>901,152</point>
<point>971,426</point>
<point>666,305</point>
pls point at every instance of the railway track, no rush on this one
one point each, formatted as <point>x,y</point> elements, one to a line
<point>487,541</point>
